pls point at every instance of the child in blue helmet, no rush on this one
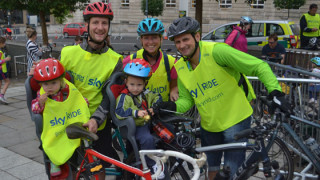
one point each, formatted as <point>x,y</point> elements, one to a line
<point>136,101</point>
<point>314,89</point>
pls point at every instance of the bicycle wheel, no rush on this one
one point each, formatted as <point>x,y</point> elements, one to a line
<point>281,154</point>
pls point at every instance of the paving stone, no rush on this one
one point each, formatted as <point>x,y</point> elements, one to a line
<point>27,170</point>
<point>12,100</point>
<point>18,137</point>
<point>19,114</point>
<point>6,108</point>
<point>18,124</point>
<point>27,149</point>
<point>13,161</point>
<point>22,97</point>
<point>4,118</point>
<point>41,176</point>
<point>5,152</point>
<point>6,176</point>
<point>19,104</point>
<point>5,129</point>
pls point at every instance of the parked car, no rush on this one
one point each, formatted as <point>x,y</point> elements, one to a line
<point>74,29</point>
<point>288,33</point>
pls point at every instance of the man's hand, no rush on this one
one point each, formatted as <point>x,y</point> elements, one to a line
<point>279,101</point>
<point>169,105</point>
<point>92,125</point>
<point>314,29</point>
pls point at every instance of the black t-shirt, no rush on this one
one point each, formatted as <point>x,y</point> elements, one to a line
<point>276,52</point>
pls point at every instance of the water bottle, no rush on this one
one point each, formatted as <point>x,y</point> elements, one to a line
<point>313,145</point>
<point>163,132</point>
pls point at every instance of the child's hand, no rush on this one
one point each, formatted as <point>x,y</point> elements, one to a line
<point>91,125</point>
<point>151,111</point>
<point>42,99</point>
<point>142,113</point>
<point>31,72</point>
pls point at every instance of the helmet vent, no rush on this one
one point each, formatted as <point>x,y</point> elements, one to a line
<point>47,69</point>
<point>54,69</point>
<point>40,72</point>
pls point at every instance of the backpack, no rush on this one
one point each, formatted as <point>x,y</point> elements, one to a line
<point>235,39</point>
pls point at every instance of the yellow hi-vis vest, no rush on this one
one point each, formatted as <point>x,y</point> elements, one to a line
<point>219,99</point>
<point>4,65</point>
<point>159,80</point>
<point>312,22</point>
<point>90,72</point>
<point>56,117</point>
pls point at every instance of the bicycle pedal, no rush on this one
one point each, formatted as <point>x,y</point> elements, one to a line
<point>94,168</point>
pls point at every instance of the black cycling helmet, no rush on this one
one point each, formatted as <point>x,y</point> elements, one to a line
<point>183,25</point>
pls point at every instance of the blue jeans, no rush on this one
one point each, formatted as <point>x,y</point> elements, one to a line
<point>232,158</point>
<point>145,140</point>
<point>313,91</point>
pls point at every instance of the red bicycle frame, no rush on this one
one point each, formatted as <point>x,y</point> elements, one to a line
<point>90,153</point>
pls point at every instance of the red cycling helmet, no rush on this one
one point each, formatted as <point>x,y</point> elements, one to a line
<point>48,69</point>
<point>98,9</point>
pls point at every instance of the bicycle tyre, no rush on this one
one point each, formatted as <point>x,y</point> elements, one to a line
<point>279,151</point>
<point>129,161</point>
<point>180,171</point>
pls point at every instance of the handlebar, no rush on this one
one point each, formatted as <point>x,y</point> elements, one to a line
<point>161,156</point>
<point>272,59</point>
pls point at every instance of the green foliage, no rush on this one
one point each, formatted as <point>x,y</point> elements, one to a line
<point>58,8</point>
<point>289,4</point>
<point>155,7</point>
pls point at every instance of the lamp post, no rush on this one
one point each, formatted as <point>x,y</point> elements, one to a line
<point>146,12</point>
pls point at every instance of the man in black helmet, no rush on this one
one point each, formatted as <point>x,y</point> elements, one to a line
<point>218,89</point>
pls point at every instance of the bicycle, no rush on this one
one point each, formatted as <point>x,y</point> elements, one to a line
<point>289,131</point>
<point>260,154</point>
<point>90,165</point>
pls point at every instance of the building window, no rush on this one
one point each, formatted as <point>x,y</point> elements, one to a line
<point>170,3</point>
<point>193,3</point>
<point>257,4</point>
<point>225,3</point>
<point>125,3</point>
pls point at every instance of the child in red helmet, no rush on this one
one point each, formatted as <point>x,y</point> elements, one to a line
<point>61,104</point>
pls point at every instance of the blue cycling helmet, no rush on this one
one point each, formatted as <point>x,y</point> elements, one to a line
<point>245,20</point>
<point>316,60</point>
<point>139,68</point>
<point>150,26</point>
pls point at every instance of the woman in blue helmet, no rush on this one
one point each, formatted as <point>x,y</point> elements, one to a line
<point>136,101</point>
<point>237,37</point>
<point>164,76</point>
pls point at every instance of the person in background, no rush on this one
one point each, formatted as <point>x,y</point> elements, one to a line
<point>237,37</point>
<point>34,52</point>
<point>3,71</point>
<point>164,76</point>
<point>309,25</point>
<point>273,49</point>
<point>8,32</point>
<point>314,89</point>
<point>215,89</point>
<point>78,40</point>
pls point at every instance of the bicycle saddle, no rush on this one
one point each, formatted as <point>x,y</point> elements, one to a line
<point>75,131</point>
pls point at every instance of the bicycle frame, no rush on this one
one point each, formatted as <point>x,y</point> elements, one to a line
<point>258,154</point>
<point>90,153</point>
<point>307,154</point>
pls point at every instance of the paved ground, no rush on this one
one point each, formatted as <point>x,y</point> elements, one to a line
<point>20,157</point>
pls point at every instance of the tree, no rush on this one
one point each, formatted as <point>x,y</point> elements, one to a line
<point>58,8</point>
<point>155,7</point>
<point>288,4</point>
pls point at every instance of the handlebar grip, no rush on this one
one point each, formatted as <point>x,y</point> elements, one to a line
<point>265,101</point>
<point>242,134</point>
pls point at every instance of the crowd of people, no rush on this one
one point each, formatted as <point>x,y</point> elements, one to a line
<point>154,81</point>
